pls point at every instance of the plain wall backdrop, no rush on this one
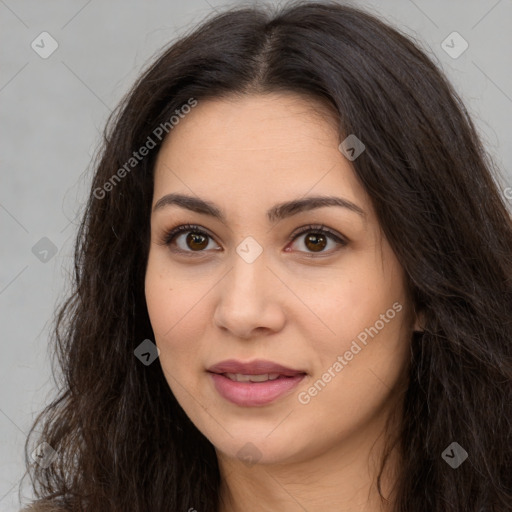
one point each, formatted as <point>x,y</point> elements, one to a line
<point>64,67</point>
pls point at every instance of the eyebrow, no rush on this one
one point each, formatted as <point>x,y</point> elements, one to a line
<point>277,212</point>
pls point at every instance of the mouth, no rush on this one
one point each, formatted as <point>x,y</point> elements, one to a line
<point>258,367</point>
<point>264,377</point>
<point>253,384</point>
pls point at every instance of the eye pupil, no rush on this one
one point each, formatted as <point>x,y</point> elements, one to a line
<point>196,241</point>
<point>318,242</point>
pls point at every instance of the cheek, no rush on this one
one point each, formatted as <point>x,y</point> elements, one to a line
<point>356,367</point>
<point>357,303</point>
<point>170,297</point>
<point>177,315</point>
<point>167,309</point>
<point>354,374</point>
<point>159,299</point>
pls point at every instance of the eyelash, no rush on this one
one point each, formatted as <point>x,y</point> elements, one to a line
<point>170,235</point>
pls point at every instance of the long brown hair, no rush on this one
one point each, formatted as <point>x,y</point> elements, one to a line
<point>123,442</point>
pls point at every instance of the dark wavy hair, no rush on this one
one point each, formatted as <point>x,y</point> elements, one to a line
<point>123,441</point>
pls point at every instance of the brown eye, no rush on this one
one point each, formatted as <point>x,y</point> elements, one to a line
<point>196,241</point>
<point>317,239</point>
<point>189,238</point>
<point>315,242</point>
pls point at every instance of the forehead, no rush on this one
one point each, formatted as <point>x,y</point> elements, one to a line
<point>260,125</point>
<point>259,147</point>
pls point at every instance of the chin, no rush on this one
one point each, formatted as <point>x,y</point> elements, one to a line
<point>259,449</point>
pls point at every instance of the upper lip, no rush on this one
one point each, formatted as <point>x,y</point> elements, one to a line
<point>256,367</point>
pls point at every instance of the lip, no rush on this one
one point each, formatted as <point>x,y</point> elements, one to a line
<point>256,367</point>
<point>254,394</point>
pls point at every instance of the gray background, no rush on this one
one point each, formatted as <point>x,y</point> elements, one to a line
<point>53,110</point>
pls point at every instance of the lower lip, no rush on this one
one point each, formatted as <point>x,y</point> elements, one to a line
<point>253,394</point>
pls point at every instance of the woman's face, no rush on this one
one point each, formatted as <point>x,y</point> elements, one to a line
<point>314,326</point>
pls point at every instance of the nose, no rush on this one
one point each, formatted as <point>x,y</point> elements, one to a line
<point>249,301</point>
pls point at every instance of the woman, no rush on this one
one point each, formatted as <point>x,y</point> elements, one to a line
<point>293,285</point>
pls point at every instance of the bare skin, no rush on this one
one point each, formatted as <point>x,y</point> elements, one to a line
<point>298,303</point>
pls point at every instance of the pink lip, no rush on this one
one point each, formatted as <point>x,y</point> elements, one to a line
<point>256,367</point>
<point>253,394</point>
